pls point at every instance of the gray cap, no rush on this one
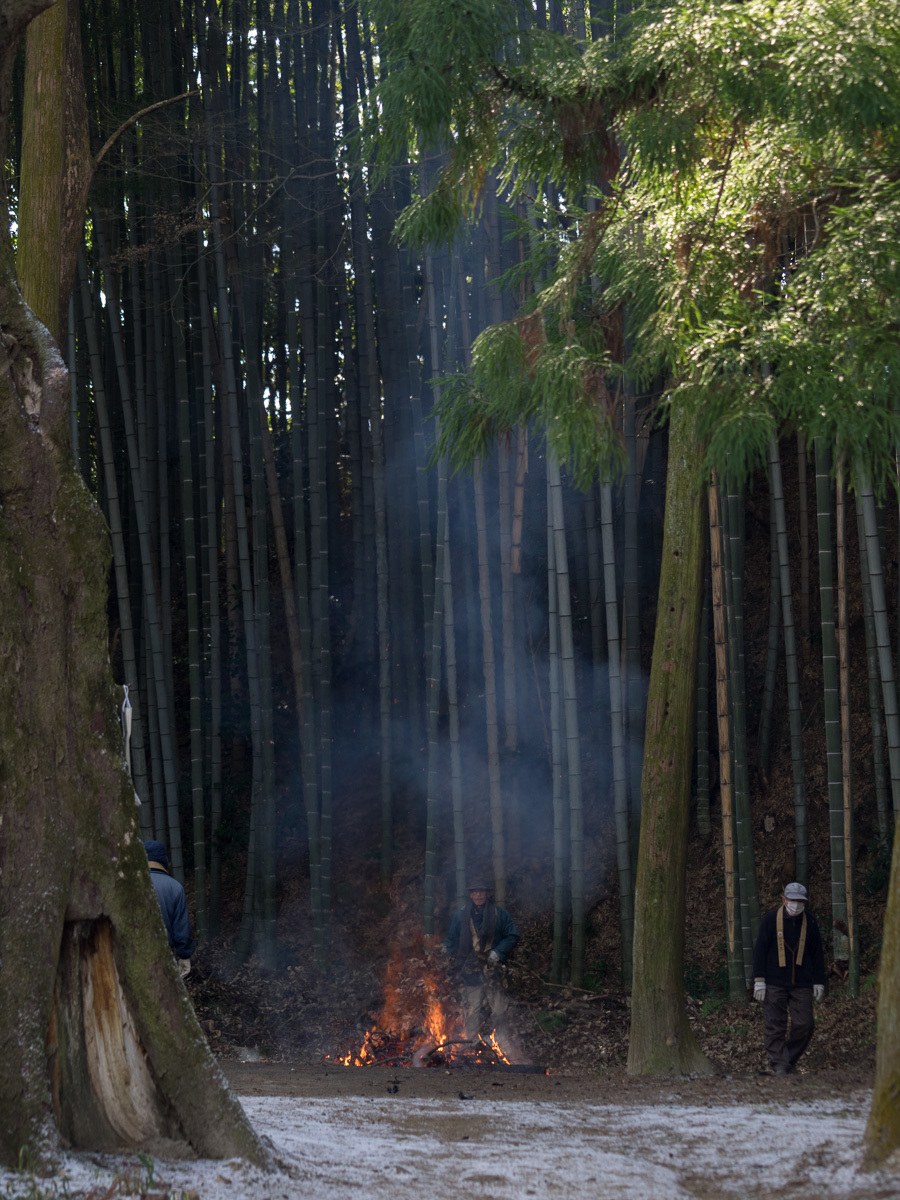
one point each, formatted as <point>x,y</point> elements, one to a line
<point>479,884</point>
<point>795,891</point>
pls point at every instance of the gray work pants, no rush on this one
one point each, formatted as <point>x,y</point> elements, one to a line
<point>782,1047</point>
<point>480,998</point>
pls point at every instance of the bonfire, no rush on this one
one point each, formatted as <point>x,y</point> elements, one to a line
<point>421,1021</point>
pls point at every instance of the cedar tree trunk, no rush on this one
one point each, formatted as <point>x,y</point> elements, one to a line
<point>883,1128</point>
<point>661,1040</point>
<point>99,1045</point>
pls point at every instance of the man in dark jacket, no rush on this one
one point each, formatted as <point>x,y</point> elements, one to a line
<point>173,905</point>
<point>480,939</point>
<point>789,972</point>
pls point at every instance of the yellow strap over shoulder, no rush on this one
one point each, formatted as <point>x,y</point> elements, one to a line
<point>779,933</point>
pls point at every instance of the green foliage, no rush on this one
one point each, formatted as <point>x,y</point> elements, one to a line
<point>550,1022</point>
<point>743,159</point>
<point>149,1169</point>
<point>713,1004</point>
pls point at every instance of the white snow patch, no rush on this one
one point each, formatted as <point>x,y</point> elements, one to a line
<point>398,1149</point>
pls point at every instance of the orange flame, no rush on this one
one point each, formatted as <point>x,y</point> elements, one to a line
<point>495,1046</point>
<point>419,1017</point>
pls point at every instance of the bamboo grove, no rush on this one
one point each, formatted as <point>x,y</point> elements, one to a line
<point>271,392</point>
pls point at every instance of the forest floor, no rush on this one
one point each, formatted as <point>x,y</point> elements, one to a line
<point>337,1133</point>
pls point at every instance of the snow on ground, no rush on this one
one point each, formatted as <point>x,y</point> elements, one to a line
<point>393,1148</point>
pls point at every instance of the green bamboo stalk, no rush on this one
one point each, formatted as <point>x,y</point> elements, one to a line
<point>616,717</point>
<point>832,703</point>
<point>734,558</point>
<point>737,987</point>
<point>573,740</point>
<point>846,743</point>
<point>556,752</point>
<point>793,672</point>
<point>189,537</point>
<point>490,691</point>
<point>595,592</point>
<point>211,545</point>
<point>436,627</point>
<point>702,743</point>
<point>120,561</point>
<point>259,502</point>
<point>232,423</point>
<point>487,648</point>
<point>634,686</point>
<point>803,521</point>
<point>768,700</point>
<point>163,499</point>
<point>456,788</point>
<point>320,567</point>
<point>383,622</point>
<point>866,500</point>
<point>167,740</point>
<point>874,682</point>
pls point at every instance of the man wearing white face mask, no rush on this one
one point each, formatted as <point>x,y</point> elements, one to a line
<point>789,973</point>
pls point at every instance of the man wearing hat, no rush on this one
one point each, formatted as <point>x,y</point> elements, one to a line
<point>480,939</point>
<point>789,973</point>
<point>173,905</point>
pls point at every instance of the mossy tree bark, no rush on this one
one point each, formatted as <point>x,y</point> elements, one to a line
<point>98,1040</point>
<point>661,1040</point>
<point>56,166</point>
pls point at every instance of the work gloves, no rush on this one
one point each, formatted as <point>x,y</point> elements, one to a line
<point>493,958</point>
<point>759,990</point>
<point>184,967</point>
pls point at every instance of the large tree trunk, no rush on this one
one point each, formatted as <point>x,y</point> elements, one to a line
<point>883,1128</point>
<point>661,1039</point>
<point>97,1038</point>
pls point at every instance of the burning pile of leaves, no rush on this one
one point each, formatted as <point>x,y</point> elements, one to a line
<point>420,1022</point>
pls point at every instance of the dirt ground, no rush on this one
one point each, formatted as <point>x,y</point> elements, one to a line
<point>594,1087</point>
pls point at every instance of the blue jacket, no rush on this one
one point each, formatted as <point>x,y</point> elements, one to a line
<point>173,906</point>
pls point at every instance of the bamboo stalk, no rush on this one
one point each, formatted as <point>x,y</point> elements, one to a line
<point>736,982</point>
<point>616,718</point>
<point>570,702</point>
<point>702,735</point>
<point>866,500</point>
<point>832,704</point>
<point>793,673</point>
<point>846,744</point>
<point>556,755</point>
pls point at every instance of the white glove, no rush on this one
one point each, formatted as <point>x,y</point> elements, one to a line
<point>184,967</point>
<point>493,957</point>
<point>759,990</point>
<point>818,991</point>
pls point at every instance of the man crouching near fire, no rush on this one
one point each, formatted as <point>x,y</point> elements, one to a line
<point>480,939</point>
<point>789,972</point>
